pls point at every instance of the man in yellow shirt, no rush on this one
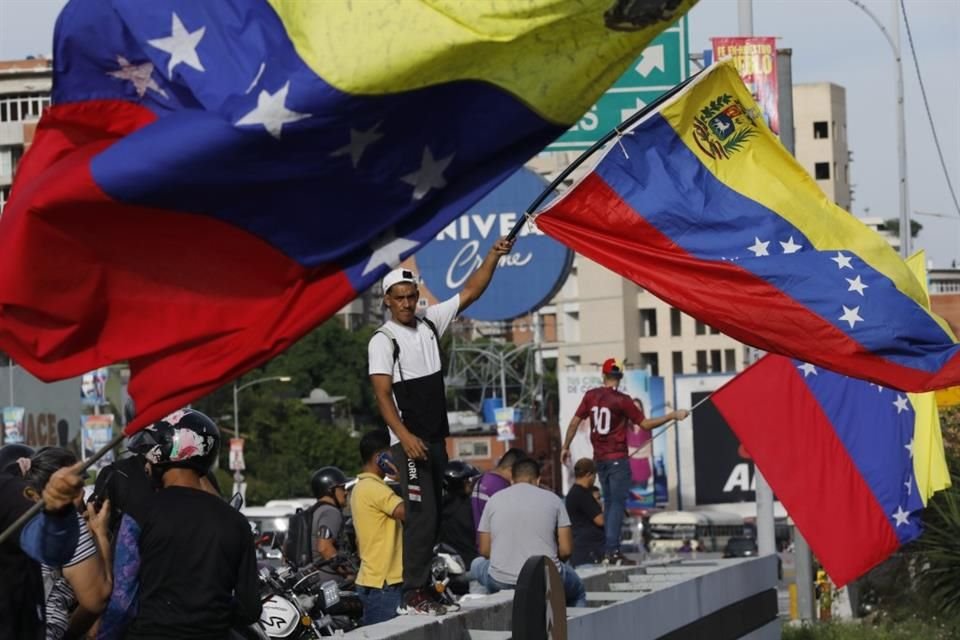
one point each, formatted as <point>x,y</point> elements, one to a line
<point>377,516</point>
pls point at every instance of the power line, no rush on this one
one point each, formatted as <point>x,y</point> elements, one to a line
<point>926,105</point>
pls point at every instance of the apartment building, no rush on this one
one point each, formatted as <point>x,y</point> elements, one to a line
<point>24,92</point>
<point>820,133</point>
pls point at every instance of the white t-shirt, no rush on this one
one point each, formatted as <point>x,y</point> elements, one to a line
<point>419,351</point>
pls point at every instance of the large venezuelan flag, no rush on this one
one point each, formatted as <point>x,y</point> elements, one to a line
<point>851,461</point>
<point>216,178</point>
<point>700,203</point>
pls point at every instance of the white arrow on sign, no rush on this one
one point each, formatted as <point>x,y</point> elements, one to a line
<point>651,59</point>
<point>626,113</point>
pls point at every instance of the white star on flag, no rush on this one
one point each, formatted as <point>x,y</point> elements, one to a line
<point>843,262</point>
<point>140,75</point>
<point>181,45</point>
<point>271,112</point>
<point>759,248</point>
<point>901,516</point>
<point>808,369</point>
<point>880,388</point>
<point>909,484</point>
<point>359,141</point>
<point>856,285</point>
<point>388,251</point>
<point>851,315</point>
<point>909,447</point>
<point>789,246</point>
<point>429,175</point>
<point>901,404</point>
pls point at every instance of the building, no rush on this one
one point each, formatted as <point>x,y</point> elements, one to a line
<point>820,135</point>
<point>24,93</point>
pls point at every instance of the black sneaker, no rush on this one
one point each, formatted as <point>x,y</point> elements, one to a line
<point>617,559</point>
<point>420,603</point>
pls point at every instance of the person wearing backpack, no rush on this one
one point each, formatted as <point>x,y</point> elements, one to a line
<point>407,377</point>
<point>314,534</point>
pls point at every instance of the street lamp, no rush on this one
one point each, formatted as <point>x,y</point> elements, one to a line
<point>237,474</point>
<point>893,39</point>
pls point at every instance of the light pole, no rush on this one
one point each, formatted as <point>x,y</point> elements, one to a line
<point>237,474</point>
<point>893,39</point>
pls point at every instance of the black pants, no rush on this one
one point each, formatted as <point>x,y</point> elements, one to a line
<point>421,483</point>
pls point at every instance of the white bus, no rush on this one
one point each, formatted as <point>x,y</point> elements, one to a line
<point>701,530</point>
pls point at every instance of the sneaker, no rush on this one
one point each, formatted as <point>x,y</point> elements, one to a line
<point>617,559</point>
<point>420,603</point>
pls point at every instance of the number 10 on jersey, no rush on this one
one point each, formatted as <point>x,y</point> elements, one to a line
<point>601,420</point>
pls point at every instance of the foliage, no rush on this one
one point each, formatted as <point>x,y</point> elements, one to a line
<point>911,629</point>
<point>716,106</point>
<point>285,439</point>
<point>893,226</point>
<point>735,143</point>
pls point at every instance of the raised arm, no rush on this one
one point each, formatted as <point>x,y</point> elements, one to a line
<point>477,283</point>
<point>652,423</point>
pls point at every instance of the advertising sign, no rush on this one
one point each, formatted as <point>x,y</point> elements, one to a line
<point>93,387</point>
<point>526,279</point>
<point>13,425</point>
<point>756,60</point>
<point>236,462</point>
<point>505,430</point>
<point>51,410</point>
<point>97,433</point>
<point>724,471</point>
<point>647,450</point>
<point>661,66</point>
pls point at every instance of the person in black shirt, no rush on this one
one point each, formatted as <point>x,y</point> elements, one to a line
<point>198,572</point>
<point>586,515</point>
<point>49,537</point>
<point>456,514</point>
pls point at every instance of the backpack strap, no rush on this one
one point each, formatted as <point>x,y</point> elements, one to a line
<point>396,347</point>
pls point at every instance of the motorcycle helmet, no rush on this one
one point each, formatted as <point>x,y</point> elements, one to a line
<point>185,439</point>
<point>10,453</point>
<point>456,474</point>
<point>325,480</point>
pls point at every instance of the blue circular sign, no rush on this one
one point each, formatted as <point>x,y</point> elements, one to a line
<point>525,280</point>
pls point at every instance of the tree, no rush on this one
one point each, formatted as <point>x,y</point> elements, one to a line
<point>893,226</point>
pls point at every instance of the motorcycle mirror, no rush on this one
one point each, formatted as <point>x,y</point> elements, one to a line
<point>236,501</point>
<point>324,532</point>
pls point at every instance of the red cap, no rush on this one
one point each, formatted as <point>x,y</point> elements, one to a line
<point>612,367</point>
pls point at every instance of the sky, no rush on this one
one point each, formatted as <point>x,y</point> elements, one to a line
<point>832,41</point>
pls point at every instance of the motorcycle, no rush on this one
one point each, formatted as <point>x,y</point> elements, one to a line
<point>301,604</point>
<point>449,574</point>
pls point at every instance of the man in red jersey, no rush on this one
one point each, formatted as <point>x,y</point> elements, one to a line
<point>610,413</point>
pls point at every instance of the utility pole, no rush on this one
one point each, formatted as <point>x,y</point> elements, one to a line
<point>766,541</point>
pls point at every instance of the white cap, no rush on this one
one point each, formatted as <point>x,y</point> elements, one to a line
<point>397,276</point>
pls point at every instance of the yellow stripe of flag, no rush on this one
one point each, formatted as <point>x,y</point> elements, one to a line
<point>556,56</point>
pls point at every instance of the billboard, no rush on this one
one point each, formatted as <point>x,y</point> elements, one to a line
<point>97,433</point>
<point>51,412</point>
<point>756,61</point>
<point>647,450</point>
<point>526,279</point>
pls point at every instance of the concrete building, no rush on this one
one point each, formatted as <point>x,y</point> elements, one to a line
<point>24,93</point>
<point>820,132</point>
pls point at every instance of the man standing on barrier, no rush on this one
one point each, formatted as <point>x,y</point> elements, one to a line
<point>406,373</point>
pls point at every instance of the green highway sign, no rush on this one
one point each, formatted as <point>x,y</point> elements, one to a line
<point>661,66</point>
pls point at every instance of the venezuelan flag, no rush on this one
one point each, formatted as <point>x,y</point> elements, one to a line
<point>853,462</point>
<point>216,178</point>
<point>700,203</point>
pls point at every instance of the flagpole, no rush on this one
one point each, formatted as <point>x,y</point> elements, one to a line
<point>599,144</point>
<point>35,509</point>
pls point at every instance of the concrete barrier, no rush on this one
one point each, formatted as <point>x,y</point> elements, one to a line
<point>715,599</point>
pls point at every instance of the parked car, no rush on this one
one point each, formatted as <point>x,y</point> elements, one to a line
<point>269,527</point>
<point>740,547</point>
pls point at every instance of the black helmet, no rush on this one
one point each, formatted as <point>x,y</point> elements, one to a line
<point>325,480</point>
<point>184,439</point>
<point>10,453</point>
<point>457,473</point>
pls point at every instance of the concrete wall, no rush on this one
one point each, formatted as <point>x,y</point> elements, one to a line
<point>718,599</point>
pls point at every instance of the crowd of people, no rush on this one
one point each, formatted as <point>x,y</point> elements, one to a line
<point>158,553</point>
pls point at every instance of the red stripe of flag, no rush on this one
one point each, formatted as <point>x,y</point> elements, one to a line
<point>782,426</point>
